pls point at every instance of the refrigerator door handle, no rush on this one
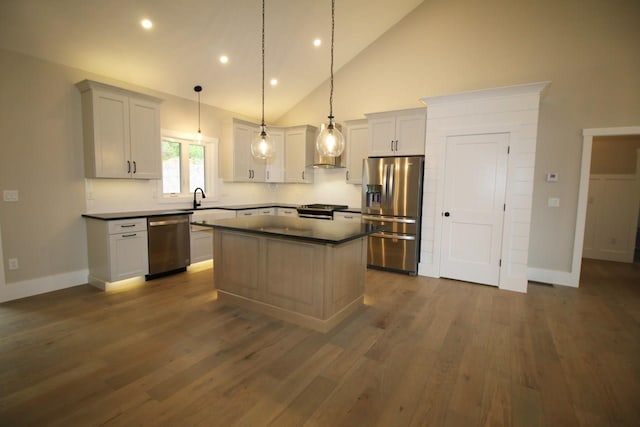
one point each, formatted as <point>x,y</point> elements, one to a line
<point>389,219</point>
<point>393,236</point>
<point>390,194</point>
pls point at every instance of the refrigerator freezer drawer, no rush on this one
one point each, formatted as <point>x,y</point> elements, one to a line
<point>393,251</point>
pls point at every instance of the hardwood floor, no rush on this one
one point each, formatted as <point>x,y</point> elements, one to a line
<point>422,352</point>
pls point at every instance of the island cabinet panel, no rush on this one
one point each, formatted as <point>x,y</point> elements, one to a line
<point>239,253</point>
<point>347,277</point>
<point>294,276</point>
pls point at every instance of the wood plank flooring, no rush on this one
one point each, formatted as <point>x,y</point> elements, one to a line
<point>421,352</point>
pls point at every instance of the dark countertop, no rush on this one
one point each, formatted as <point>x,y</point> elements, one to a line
<point>131,215</point>
<point>352,210</point>
<point>312,230</point>
<point>252,206</point>
<point>144,214</point>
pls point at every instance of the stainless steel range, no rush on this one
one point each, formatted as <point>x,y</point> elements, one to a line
<point>319,211</point>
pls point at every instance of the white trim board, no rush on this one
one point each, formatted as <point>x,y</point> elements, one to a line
<point>42,285</point>
<point>2,278</point>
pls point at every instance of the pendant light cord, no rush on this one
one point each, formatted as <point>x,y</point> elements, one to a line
<point>263,63</point>
<point>199,131</point>
<point>333,23</point>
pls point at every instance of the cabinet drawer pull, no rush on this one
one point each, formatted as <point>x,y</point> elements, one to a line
<point>127,225</point>
<point>129,235</point>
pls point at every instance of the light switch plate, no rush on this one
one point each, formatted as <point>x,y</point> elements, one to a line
<point>10,195</point>
<point>553,202</point>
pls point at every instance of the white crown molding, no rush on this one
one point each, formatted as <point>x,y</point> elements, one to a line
<point>474,95</point>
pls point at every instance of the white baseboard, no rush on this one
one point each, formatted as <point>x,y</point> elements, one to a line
<point>27,288</point>
<point>553,277</point>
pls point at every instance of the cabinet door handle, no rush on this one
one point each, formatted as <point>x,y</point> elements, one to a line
<point>128,166</point>
<point>302,174</point>
<point>396,145</point>
<point>267,174</point>
<point>135,168</point>
<point>392,145</point>
<point>347,175</point>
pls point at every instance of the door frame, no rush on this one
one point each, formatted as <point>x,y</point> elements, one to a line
<point>2,277</point>
<point>583,191</point>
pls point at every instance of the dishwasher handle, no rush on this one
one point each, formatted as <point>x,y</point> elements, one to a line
<point>168,222</point>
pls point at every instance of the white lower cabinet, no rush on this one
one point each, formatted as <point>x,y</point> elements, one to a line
<point>202,237</point>
<point>256,212</point>
<point>347,216</point>
<point>201,244</point>
<point>287,212</point>
<point>117,250</point>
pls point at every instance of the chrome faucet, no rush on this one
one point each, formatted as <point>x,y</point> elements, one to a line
<point>195,202</point>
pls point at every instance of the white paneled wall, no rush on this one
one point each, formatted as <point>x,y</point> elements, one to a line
<point>512,110</point>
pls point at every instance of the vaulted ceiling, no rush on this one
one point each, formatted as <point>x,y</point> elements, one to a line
<point>183,47</point>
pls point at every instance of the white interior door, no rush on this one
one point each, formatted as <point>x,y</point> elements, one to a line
<point>473,214</point>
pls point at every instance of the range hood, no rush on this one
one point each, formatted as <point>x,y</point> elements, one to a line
<point>326,162</point>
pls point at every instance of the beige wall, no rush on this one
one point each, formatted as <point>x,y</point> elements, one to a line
<point>587,49</point>
<point>615,154</point>
<point>42,159</point>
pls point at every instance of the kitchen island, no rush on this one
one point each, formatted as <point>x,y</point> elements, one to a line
<point>306,271</point>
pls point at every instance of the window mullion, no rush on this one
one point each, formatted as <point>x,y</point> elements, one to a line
<point>184,158</point>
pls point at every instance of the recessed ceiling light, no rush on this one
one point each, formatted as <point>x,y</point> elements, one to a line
<point>146,24</point>
<point>274,82</point>
<point>317,42</point>
<point>224,59</point>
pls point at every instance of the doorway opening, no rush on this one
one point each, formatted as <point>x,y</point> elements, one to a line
<point>583,194</point>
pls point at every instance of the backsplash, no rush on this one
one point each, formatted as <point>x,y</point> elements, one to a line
<point>121,195</point>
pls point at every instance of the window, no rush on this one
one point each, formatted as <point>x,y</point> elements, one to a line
<point>186,164</point>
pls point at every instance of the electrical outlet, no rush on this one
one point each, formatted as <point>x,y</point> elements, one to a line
<point>13,264</point>
<point>553,202</point>
<point>10,195</point>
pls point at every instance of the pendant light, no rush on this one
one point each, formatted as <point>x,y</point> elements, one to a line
<point>330,141</point>
<point>262,145</point>
<point>198,89</point>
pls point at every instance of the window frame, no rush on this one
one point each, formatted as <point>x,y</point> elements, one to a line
<point>211,145</point>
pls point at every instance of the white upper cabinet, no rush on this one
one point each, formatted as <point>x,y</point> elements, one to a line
<point>356,133</point>
<point>121,131</point>
<point>275,165</point>
<point>299,144</point>
<point>237,162</point>
<point>397,133</point>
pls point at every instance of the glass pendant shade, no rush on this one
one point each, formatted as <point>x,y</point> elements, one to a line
<point>330,141</point>
<point>262,145</point>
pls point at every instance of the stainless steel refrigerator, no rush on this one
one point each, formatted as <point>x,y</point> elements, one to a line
<point>392,198</point>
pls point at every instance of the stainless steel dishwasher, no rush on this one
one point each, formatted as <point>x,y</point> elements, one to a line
<point>169,244</point>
